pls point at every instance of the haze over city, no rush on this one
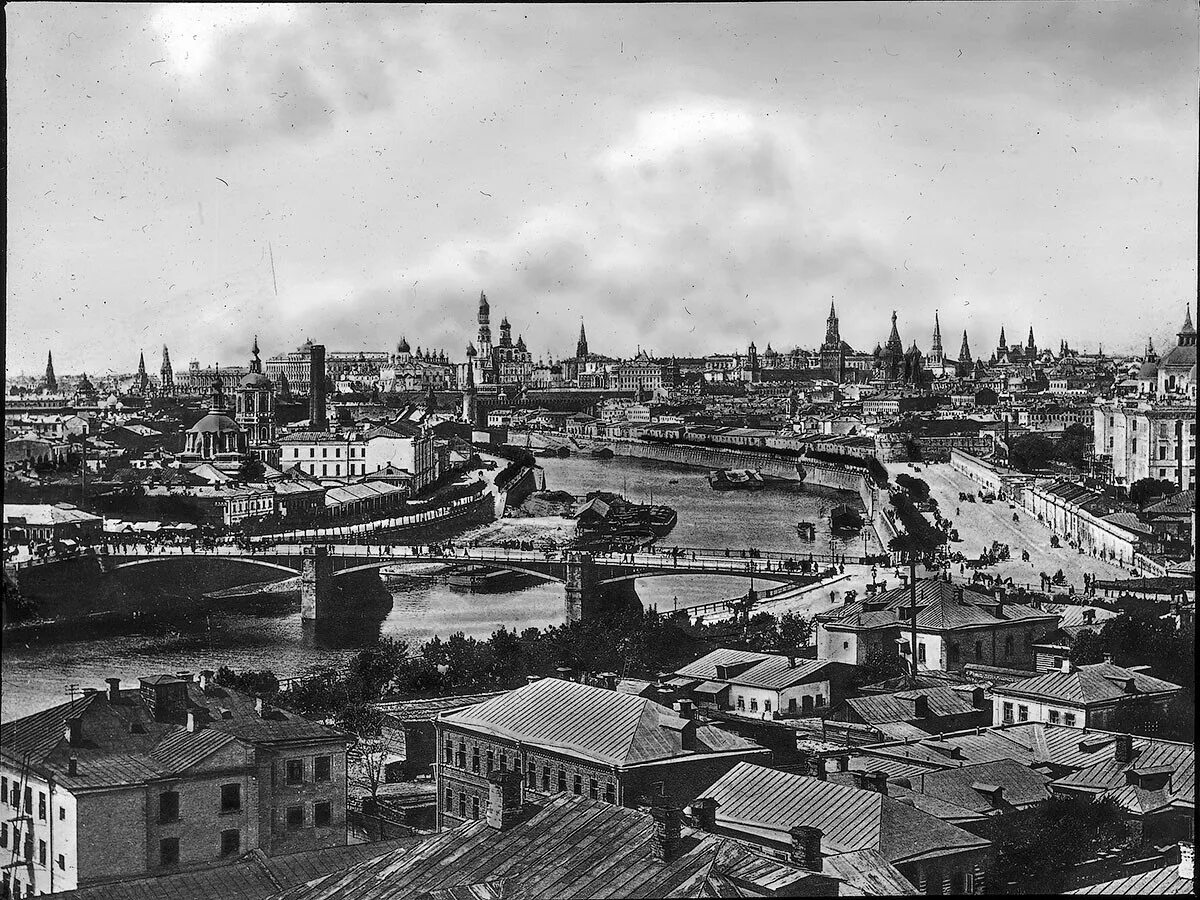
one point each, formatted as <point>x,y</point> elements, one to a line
<point>686,181</point>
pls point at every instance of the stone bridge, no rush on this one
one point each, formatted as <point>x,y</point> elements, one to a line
<point>584,574</point>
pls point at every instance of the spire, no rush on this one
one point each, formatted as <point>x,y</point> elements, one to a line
<point>964,352</point>
<point>894,344</point>
<point>403,346</point>
<point>255,362</point>
<point>217,407</point>
<point>832,338</point>
<point>935,351</point>
<point>581,348</point>
<point>141,364</point>
<point>1029,344</point>
<point>166,377</point>
<point>1003,345</point>
<point>1187,329</point>
<point>51,380</point>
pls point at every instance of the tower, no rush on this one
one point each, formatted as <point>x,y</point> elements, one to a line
<point>141,384</point>
<point>166,377</point>
<point>891,359</point>
<point>505,333</point>
<point>470,400</point>
<point>1030,346</point>
<point>965,363</point>
<point>832,338</point>
<point>936,355</point>
<point>832,353</point>
<point>485,330</point>
<point>1151,356</point>
<point>581,347</point>
<point>255,410</point>
<point>403,351</point>
<point>750,370</point>
<point>1003,345</point>
<point>51,381</point>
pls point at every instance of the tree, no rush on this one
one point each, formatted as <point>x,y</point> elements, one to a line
<point>917,488</point>
<point>1038,848</point>
<point>373,668</point>
<point>794,630</point>
<point>1145,491</point>
<point>263,684</point>
<point>1074,445</point>
<point>1028,452</point>
<point>251,468</point>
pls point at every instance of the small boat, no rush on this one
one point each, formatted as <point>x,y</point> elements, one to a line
<point>735,480</point>
<point>602,453</point>
<point>845,518</point>
<point>806,530</point>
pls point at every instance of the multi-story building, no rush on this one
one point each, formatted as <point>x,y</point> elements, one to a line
<point>955,626</point>
<point>169,776</point>
<point>400,445</point>
<point>562,736</point>
<point>1147,440</point>
<point>642,373</point>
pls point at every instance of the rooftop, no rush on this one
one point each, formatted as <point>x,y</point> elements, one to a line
<point>1093,683</point>
<point>47,514</point>
<point>765,670</point>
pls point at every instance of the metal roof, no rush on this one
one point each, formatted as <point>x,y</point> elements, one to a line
<point>765,670</point>
<point>882,708</point>
<point>1157,881</point>
<point>1094,683</point>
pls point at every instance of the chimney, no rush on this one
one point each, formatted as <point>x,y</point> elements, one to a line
<point>958,595</point>
<point>193,721</point>
<point>316,388</point>
<point>1187,860</point>
<point>73,731</point>
<point>504,799</point>
<point>609,680</point>
<point>994,792</point>
<point>530,679</point>
<point>114,689</point>
<point>1089,616</point>
<point>665,840</point>
<point>920,706</point>
<point>806,847</point>
<point>704,813</point>
<point>684,709</point>
<point>843,763</point>
<point>262,707</point>
<point>1108,658</point>
<point>207,677</point>
<point>72,766</point>
<point>564,672</point>
<point>791,662</point>
<point>816,767</point>
<point>1123,748</point>
<point>1066,668</point>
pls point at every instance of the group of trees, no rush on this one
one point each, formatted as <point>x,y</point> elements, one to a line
<point>1033,451</point>
<point>637,644</point>
<point>1145,491</point>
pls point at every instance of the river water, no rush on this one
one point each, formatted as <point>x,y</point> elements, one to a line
<point>266,633</point>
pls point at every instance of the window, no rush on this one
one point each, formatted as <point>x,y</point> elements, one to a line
<point>1008,712</point>
<point>952,653</point>
<point>593,789</point>
<point>979,649</point>
<point>741,702</point>
<point>3,834</point>
<point>845,645</point>
<point>474,759</point>
<point>322,814</point>
<point>168,852</point>
<point>921,652</point>
<point>545,778</point>
<point>449,753</point>
<point>1069,719</point>
<point>462,805</point>
<point>491,761</point>
<point>475,807</point>
<point>323,768</point>
<point>820,700</point>
<point>658,788</point>
<point>766,706</point>
<point>28,845</point>
<point>562,779</point>
<point>753,704</point>
<point>1022,712</point>
<point>462,755</point>
<point>28,799</point>
<point>610,793</point>
<point>295,817</point>
<point>578,786</point>
<point>231,841</point>
<point>62,861</point>
<point>503,761</point>
<point>168,806</point>
<point>231,797</point>
<point>41,853</point>
<point>449,807</point>
<point>1054,717</point>
<point>1008,646</point>
<point>3,790</point>
<point>295,771</point>
<point>791,704</point>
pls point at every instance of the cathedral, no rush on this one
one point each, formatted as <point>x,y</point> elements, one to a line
<point>896,366</point>
<point>505,363</point>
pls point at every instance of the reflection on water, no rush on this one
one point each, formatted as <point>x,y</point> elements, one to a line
<point>266,632</point>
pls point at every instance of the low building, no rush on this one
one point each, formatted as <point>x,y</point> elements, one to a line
<point>171,775</point>
<point>1179,878</point>
<point>25,522</point>
<point>765,806</point>
<point>955,626</point>
<point>407,726</point>
<point>1087,696</point>
<point>930,710</point>
<point>762,685</point>
<point>1088,520</point>
<point>568,737</point>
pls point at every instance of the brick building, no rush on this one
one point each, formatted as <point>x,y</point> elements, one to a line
<point>172,775</point>
<point>563,737</point>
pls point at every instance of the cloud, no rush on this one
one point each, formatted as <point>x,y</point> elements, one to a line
<point>701,228</point>
<point>242,74</point>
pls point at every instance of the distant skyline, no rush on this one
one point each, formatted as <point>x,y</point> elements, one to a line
<point>684,182</point>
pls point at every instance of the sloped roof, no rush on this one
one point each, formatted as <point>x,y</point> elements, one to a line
<point>878,709</point>
<point>427,710</point>
<point>1159,882</point>
<point>773,802</point>
<point>938,605</point>
<point>610,727</point>
<point>1108,777</point>
<point>1094,683</point>
<point>573,847</point>
<point>1021,784</point>
<point>47,514</point>
<point>1183,503</point>
<point>766,670</point>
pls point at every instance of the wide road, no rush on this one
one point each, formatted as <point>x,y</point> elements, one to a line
<point>979,524</point>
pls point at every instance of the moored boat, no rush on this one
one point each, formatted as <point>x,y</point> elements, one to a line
<point>845,518</point>
<point>735,480</point>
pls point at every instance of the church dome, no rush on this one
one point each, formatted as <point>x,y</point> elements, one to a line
<point>256,380</point>
<point>214,423</point>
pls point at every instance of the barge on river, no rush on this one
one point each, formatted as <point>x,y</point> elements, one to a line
<point>736,480</point>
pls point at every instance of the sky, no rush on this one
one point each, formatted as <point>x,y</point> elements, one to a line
<point>683,178</point>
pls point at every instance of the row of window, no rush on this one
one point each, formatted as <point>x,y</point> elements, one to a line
<point>458,758</point>
<point>1067,718</point>
<point>577,788</point>
<point>13,797</point>
<point>27,853</point>
<point>168,803</point>
<point>168,848</point>
<point>322,770</point>
<point>807,703</point>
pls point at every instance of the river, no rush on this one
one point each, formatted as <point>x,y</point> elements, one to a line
<point>266,633</point>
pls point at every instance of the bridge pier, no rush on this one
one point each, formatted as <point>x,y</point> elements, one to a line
<point>316,584</point>
<point>581,588</point>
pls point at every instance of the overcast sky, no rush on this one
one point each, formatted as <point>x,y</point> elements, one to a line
<point>687,178</point>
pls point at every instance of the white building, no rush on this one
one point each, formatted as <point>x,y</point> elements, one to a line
<point>401,445</point>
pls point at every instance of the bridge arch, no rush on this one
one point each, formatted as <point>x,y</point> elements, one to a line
<point>457,563</point>
<point>251,561</point>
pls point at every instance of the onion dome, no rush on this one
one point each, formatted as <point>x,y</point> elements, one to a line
<point>403,347</point>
